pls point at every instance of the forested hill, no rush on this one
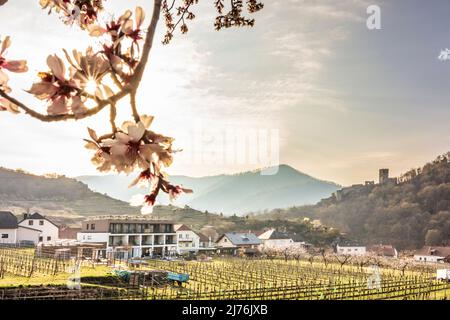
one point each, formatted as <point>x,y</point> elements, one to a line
<point>21,191</point>
<point>409,214</point>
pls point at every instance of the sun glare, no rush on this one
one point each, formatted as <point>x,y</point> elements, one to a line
<point>91,87</point>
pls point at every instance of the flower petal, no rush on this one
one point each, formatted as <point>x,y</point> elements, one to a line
<point>96,31</point>
<point>16,66</point>
<point>3,78</point>
<point>6,105</point>
<point>140,16</point>
<point>59,106</point>
<point>57,66</point>
<point>77,105</point>
<point>43,90</point>
<point>118,149</point>
<point>136,132</point>
<point>5,44</point>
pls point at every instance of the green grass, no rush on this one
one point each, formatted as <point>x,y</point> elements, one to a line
<point>59,279</point>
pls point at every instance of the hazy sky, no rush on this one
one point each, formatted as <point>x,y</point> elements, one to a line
<point>344,100</point>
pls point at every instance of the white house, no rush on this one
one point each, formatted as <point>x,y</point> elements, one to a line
<point>188,240</point>
<point>192,241</point>
<point>433,254</point>
<point>231,242</point>
<point>272,239</point>
<point>11,232</point>
<point>49,230</point>
<point>351,250</point>
<point>128,237</point>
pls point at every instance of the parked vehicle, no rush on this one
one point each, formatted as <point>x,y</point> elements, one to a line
<point>178,278</point>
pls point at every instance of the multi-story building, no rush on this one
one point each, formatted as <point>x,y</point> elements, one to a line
<point>130,237</point>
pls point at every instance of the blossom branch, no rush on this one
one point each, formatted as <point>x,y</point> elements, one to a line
<point>139,71</point>
<point>136,116</point>
<point>63,117</point>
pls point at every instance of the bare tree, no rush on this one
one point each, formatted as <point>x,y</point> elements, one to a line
<point>342,259</point>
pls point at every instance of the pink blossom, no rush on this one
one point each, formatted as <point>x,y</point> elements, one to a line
<point>57,89</point>
<point>6,105</point>
<point>17,66</point>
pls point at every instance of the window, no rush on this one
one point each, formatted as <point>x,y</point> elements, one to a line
<point>87,226</point>
<point>49,238</point>
<point>5,236</point>
<point>92,226</point>
<point>30,222</point>
<point>41,222</point>
<point>41,238</point>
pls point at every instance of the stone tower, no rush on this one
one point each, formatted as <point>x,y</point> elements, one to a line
<point>384,176</point>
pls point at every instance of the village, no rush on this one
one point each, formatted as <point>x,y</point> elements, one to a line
<point>139,249</point>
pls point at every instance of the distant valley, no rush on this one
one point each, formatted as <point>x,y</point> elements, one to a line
<point>230,194</point>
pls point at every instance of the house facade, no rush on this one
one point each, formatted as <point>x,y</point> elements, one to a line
<point>130,237</point>
<point>351,250</point>
<point>382,250</point>
<point>206,243</point>
<point>272,239</point>
<point>232,242</point>
<point>12,233</point>
<point>188,239</point>
<point>433,254</point>
<point>49,230</point>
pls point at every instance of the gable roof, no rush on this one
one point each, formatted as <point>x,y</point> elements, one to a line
<point>277,235</point>
<point>383,250</point>
<point>202,237</point>
<point>37,216</point>
<point>182,227</point>
<point>7,220</point>
<point>241,238</point>
<point>434,251</point>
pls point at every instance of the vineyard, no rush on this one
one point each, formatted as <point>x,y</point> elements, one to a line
<point>24,262</point>
<point>297,280</point>
<point>24,275</point>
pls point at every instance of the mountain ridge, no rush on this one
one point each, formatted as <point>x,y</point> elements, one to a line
<point>238,193</point>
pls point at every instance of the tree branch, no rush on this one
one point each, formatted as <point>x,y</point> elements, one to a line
<point>112,117</point>
<point>136,116</point>
<point>139,71</point>
<point>53,118</point>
